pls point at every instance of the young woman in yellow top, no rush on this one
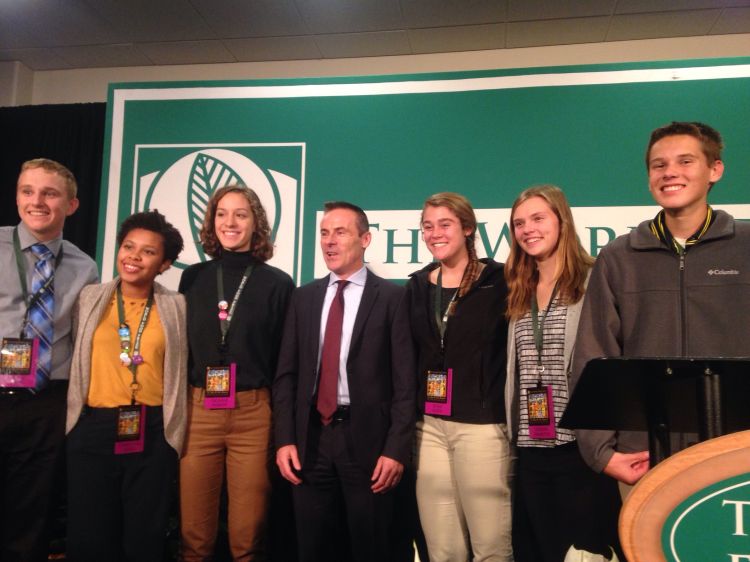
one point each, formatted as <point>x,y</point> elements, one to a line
<point>126,401</point>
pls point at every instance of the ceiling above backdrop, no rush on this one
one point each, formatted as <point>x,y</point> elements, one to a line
<point>65,34</point>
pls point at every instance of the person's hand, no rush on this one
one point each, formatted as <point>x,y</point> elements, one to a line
<point>288,462</point>
<point>386,475</point>
<point>627,467</point>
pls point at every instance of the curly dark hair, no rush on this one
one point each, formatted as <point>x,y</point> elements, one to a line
<point>261,246</point>
<point>155,222</point>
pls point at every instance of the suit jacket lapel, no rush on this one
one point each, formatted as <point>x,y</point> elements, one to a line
<point>369,296</point>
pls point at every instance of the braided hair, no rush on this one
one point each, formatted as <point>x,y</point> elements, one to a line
<point>461,207</point>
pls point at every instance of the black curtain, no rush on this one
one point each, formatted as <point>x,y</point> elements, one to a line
<point>70,134</point>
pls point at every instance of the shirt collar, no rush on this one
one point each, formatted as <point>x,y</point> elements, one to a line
<point>27,239</point>
<point>357,278</point>
<point>661,231</point>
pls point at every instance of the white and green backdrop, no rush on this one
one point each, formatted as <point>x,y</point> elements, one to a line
<point>388,142</point>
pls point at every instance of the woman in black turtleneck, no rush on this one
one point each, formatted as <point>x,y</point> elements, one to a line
<point>236,304</point>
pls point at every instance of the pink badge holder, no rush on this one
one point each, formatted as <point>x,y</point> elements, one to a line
<point>545,430</point>
<point>221,400</point>
<point>133,445</point>
<point>18,363</point>
<point>441,407</point>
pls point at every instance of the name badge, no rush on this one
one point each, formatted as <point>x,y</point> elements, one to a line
<point>18,357</point>
<point>541,410</point>
<point>220,387</point>
<point>439,387</point>
<point>131,427</point>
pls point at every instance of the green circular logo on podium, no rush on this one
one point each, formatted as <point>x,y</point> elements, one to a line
<point>712,525</point>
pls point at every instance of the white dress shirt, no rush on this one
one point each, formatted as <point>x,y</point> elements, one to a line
<point>352,297</point>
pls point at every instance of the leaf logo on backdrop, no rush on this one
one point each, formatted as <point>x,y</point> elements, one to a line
<point>179,181</point>
<point>207,175</point>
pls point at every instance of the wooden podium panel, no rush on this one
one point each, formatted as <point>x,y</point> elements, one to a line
<point>672,481</point>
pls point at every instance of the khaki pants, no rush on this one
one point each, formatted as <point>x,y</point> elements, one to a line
<point>464,474</point>
<point>239,439</point>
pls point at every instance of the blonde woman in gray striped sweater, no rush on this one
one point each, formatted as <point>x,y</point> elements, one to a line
<point>562,509</point>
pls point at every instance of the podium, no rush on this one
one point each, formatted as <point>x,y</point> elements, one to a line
<point>691,507</point>
<point>704,396</point>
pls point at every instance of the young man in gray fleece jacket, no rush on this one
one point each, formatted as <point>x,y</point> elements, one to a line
<point>678,285</point>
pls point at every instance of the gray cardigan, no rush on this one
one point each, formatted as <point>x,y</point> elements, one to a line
<point>511,380</point>
<point>89,310</point>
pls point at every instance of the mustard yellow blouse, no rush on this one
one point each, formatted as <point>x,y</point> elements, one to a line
<point>110,379</point>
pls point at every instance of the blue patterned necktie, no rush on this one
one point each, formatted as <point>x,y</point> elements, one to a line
<point>41,312</point>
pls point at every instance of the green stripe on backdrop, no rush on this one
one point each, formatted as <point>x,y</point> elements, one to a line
<point>390,151</point>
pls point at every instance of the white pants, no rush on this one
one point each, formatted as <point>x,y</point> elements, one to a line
<point>464,474</point>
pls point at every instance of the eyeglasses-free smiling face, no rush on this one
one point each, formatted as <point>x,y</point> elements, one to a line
<point>443,234</point>
<point>140,259</point>
<point>43,202</point>
<point>679,175</point>
<point>536,228</point>
<point>234,222</point>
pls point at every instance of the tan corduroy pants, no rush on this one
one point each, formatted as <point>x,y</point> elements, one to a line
<point>239,440</point>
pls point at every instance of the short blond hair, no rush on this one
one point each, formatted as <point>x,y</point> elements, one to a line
<point>56,168</point>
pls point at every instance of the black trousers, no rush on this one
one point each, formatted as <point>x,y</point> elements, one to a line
<point>335,489</point>
<point>406,528</point>
<point>118,505</point>
<point>561,502</point>
<point>32,429</point>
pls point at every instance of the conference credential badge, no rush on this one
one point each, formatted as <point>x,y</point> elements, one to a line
<point>18,358</point>
<point>438,398</point>
<point>131,422</point>
<point>220,387</point>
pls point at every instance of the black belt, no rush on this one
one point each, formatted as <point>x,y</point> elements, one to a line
<point>21,393</point>
<point>342,413</point>
<point>111,413</point>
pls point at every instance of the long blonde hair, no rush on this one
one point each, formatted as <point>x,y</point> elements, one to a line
<point>573,262</point>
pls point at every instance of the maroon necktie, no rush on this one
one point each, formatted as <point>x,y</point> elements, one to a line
<point>329,357</point>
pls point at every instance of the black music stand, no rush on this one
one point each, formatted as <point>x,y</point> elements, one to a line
<point>707,396</point>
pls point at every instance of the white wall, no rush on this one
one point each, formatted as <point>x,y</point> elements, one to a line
<point>16,83</point>
<point>90,85</point>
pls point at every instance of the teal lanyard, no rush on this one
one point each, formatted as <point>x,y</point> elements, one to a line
<point>224,324</point>
<point>133,366</point>
<point>538,327</point>
<point>21,268</point>
<point>441,318</point>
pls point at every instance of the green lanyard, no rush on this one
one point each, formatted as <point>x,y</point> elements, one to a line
<point>225,323</point>
<point>538,327</point>
<point>137,358</point>
<point>441,318</point>
<point>21,268</point>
